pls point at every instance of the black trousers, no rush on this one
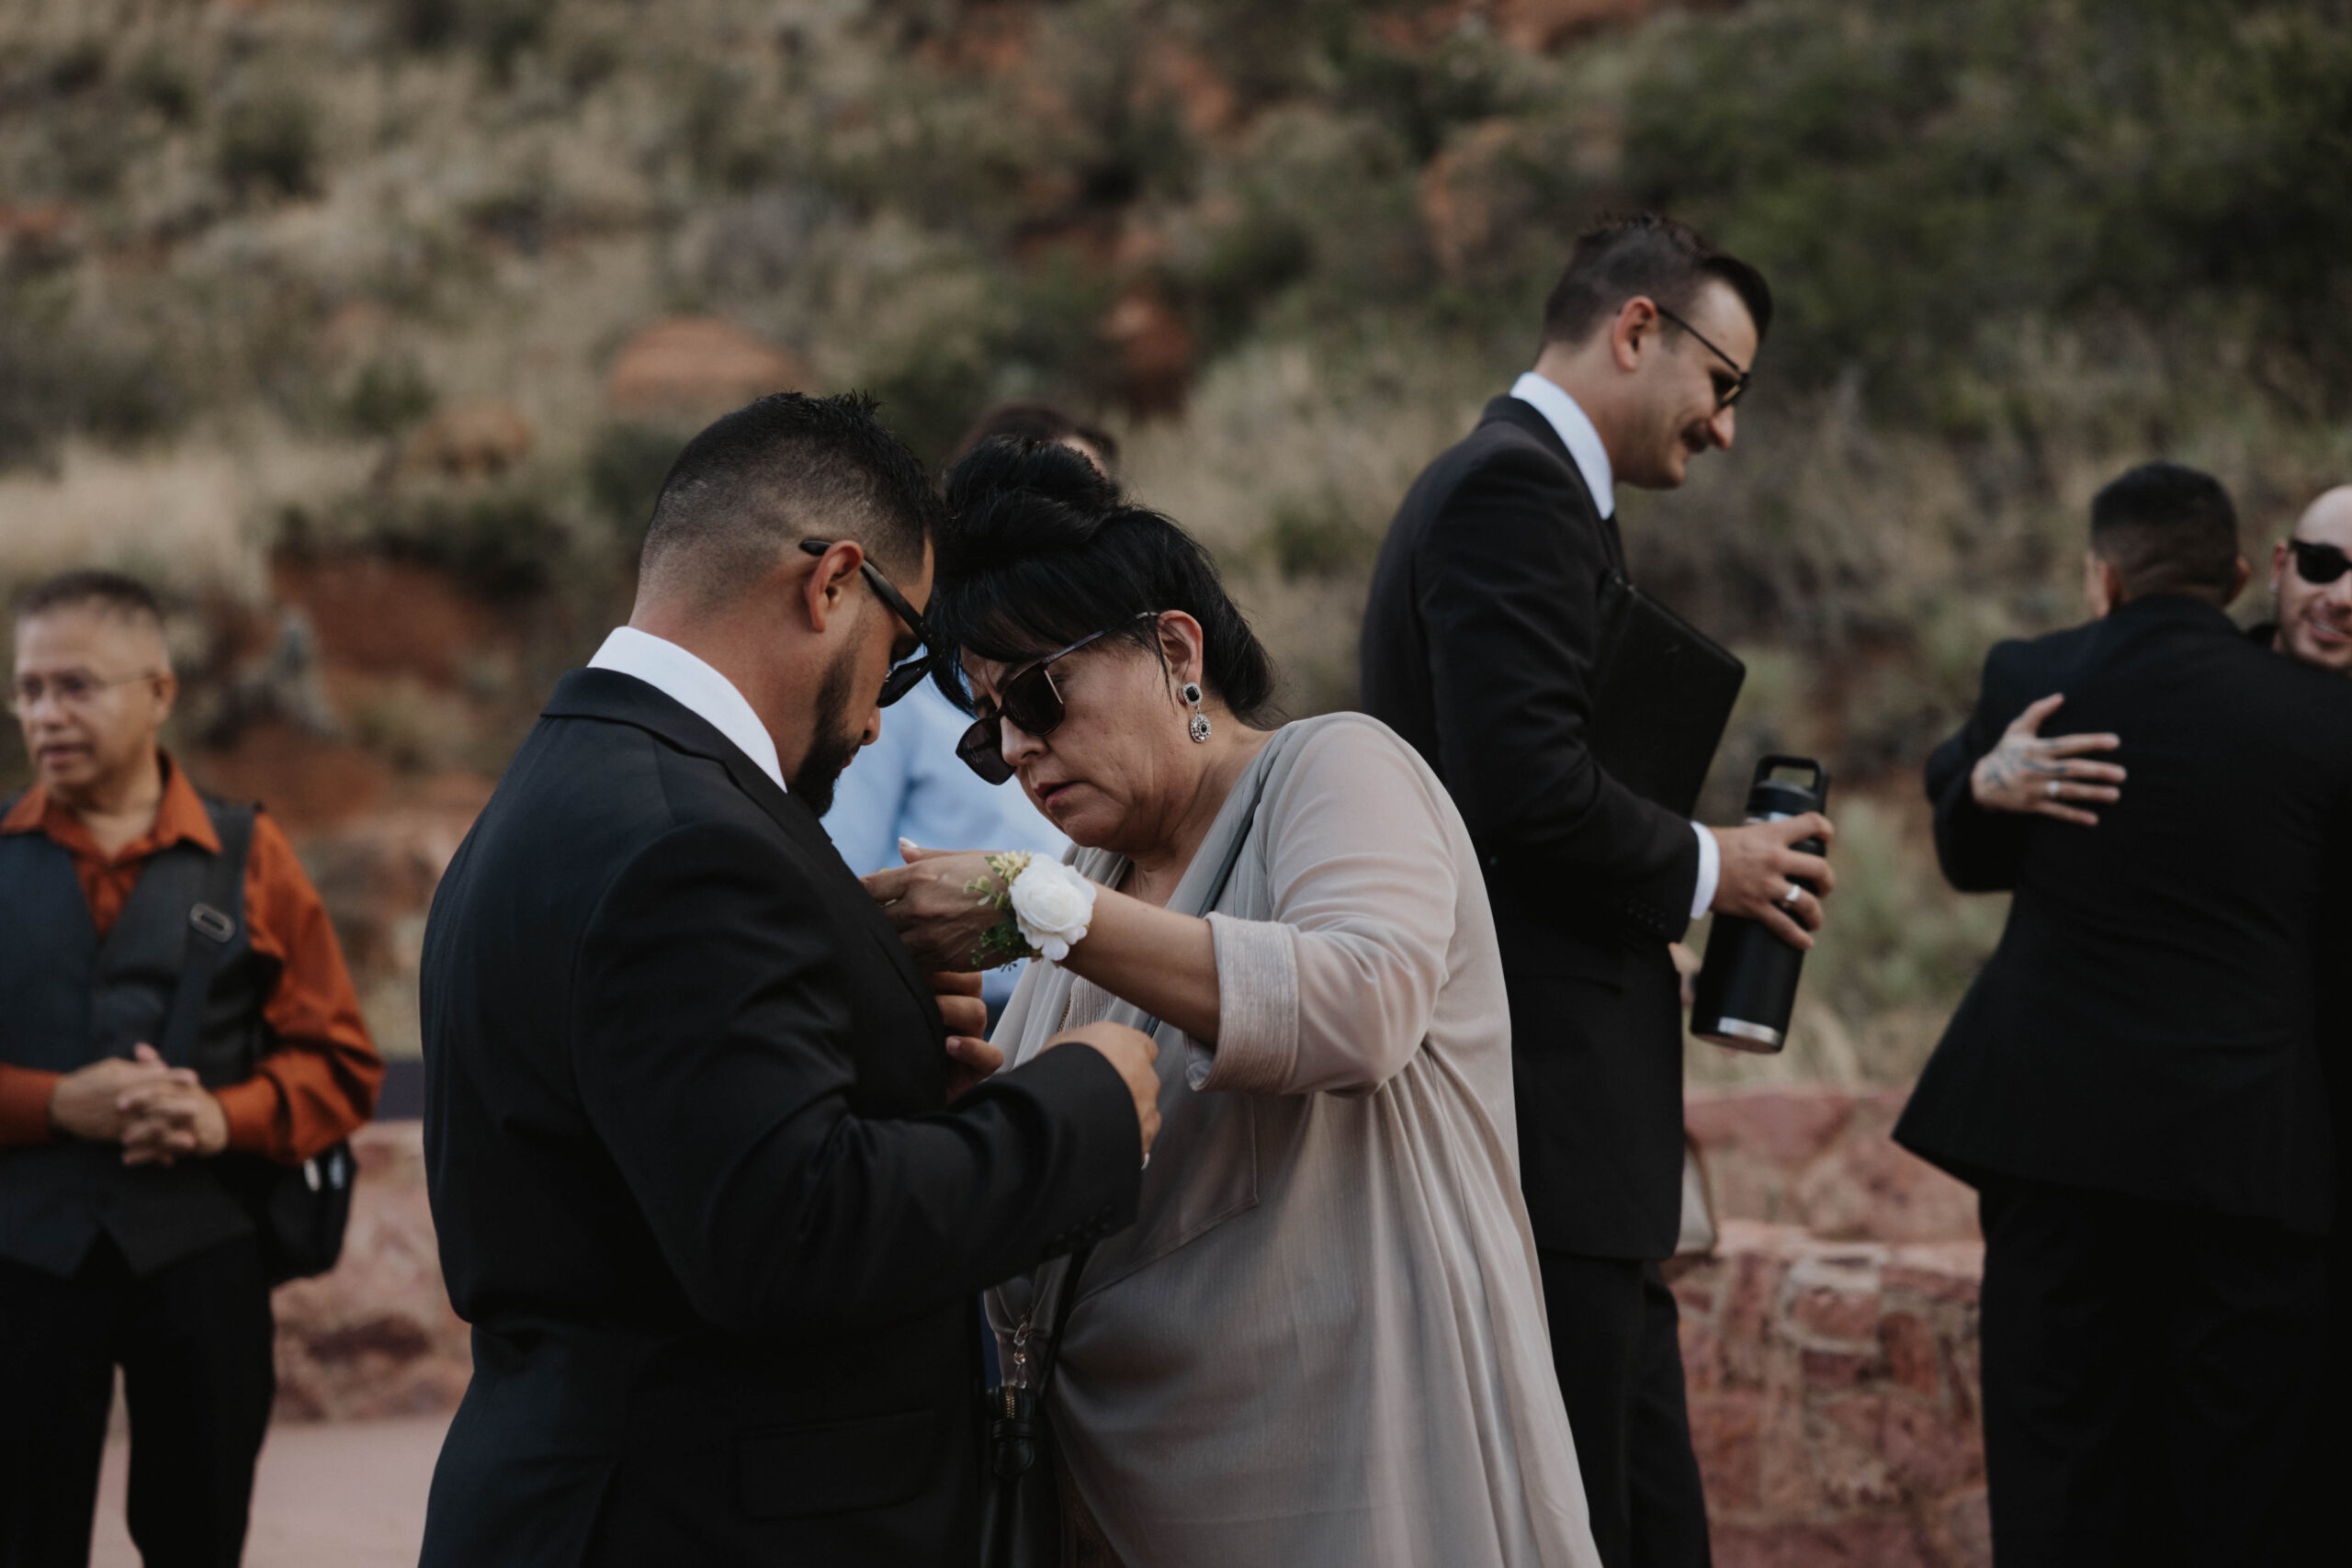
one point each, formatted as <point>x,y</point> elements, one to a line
<point>193,1340</point>
<point>1620,1364</point>
<point>2148,1372</point>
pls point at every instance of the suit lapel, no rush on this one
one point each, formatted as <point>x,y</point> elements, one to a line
<point>1527,417</point>
<point>624,699</point>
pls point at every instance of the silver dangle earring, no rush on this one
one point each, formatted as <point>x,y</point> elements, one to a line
<point>1199,728</point>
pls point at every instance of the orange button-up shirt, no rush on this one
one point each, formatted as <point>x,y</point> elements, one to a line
<point>320,1077</point>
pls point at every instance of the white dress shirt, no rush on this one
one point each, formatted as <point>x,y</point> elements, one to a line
<point>695,687</point>
<point>1583,442</point>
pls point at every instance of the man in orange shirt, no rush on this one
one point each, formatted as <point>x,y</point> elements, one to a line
<point>128,1147</point>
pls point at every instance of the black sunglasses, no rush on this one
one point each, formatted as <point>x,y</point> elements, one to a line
<point>1028,697</point>
<point>1726,392</point>
<point>902,678</point>
<point>2319,564</point>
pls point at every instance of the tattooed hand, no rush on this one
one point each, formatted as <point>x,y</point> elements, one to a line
<point>2028,773</point>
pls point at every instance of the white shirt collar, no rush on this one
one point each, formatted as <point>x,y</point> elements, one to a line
<point>1577,434</point>
<point>694,685</point>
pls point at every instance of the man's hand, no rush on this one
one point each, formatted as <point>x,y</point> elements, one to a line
<point>2028,775</point>
<point>1760,871</point>
<point>1133,1053</point>
<point>970,1056</point>
<point>960,1007</point>
<point>170,1118</point>
<point>87,1102</point>
<point>926,903</point>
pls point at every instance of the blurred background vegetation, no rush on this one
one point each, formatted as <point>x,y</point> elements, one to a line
<point>333,315</point>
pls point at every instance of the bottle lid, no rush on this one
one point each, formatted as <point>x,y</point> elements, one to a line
<point>1781,797</point>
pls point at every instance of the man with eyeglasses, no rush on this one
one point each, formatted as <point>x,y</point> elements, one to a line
<point>2311,579</point>
<point>711,1185</point>
<point>1479,645</point>
<point>141,1091</point>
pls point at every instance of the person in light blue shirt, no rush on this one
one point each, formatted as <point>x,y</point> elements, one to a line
<point>910,784</point>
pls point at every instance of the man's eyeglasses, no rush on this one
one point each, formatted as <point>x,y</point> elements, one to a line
<point>2319,564</point>
<point>902,678</point>
<point>1028,697</point>
<point>1727,388</point>
<point>75,689</point>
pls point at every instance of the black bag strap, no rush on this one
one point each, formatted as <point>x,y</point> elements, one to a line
<point>211,922</point>
<point>1049,1353</point>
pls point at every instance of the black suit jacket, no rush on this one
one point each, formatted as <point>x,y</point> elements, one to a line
<point>697,1185</point>
<point>2146,1025</point>
<point>1478,646</point>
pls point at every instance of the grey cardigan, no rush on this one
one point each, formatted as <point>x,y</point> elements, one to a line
<point>1323,1340</point>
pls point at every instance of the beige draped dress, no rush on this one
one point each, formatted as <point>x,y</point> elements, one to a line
<point>1322,1343</point>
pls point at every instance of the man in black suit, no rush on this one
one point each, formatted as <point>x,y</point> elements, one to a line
<point>1478,648</point>
<point>2131,1084</point>
<point>698,1183</point>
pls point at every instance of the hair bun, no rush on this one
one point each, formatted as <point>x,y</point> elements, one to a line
<point>1010,499</point>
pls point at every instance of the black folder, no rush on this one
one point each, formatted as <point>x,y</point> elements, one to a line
<point>1661,698</point>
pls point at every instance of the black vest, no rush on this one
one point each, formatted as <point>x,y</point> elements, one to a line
<point>67,999</point>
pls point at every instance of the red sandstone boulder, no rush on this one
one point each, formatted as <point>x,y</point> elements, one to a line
<point>696,367</point>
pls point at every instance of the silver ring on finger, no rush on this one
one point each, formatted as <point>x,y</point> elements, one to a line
<point>2052,789</point>
<point>1789,899</point>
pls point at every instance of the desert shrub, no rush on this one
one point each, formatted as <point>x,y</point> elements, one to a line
<point>624,469</point>
<point>160,83</point>
<point>1920,179</point>
<point>269,143</point>
<point>388,396</point>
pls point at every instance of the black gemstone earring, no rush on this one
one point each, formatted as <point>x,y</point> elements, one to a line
<point>1199,728</point>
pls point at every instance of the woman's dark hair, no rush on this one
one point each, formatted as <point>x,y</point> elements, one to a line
<point>1039,549</point>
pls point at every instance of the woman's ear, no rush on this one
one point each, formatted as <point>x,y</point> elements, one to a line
<point>1184,646</point>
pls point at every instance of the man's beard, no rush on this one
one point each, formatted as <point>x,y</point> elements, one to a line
<point>833,745</point>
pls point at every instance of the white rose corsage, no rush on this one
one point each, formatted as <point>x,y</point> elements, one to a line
<point>1046,906</point>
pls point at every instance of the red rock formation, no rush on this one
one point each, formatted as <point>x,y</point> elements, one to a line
<point>694,368</point>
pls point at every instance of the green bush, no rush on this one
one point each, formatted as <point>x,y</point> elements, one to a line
<point>624,470</point>
<point>388,396</point>
<point>270,143</point>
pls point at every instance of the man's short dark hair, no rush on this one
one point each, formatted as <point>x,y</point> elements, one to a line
<point>111,593</point>
<point>2168,529</point>
<point>787,467</point>
<point>1033,424</point>
<point>1645,253</point>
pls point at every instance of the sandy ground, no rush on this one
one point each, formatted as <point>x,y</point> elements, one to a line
<point>348,1495</point>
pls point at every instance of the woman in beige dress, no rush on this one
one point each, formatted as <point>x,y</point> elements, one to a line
<point>1322,1341</point>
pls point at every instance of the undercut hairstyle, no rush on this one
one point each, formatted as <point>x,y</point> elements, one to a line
<point>2168,529</point>
<point>1040,549</point>
<point>785,468</point>
<point>1645,253</point>
<point>108,593</point>
<point>1031,423</point>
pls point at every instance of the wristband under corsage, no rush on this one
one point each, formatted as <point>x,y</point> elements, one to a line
<point>1046,906</point>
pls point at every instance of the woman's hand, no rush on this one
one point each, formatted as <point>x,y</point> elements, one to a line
<point>926,902</point>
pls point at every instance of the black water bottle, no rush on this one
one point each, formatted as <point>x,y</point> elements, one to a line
<point>1747,987</point>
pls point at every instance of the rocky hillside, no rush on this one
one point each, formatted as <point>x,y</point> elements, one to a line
<point>369,326</point>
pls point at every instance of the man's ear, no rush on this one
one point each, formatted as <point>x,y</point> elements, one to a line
<point>831,581</point>
<point>2237,583</point>
<point>2102,584</point>
<point>1635,317</point>
<point>2278,554</point>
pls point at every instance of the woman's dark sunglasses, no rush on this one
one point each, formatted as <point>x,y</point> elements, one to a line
<point>1028,697</point>
<point>902,678</point>
<point>2319,564</point>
